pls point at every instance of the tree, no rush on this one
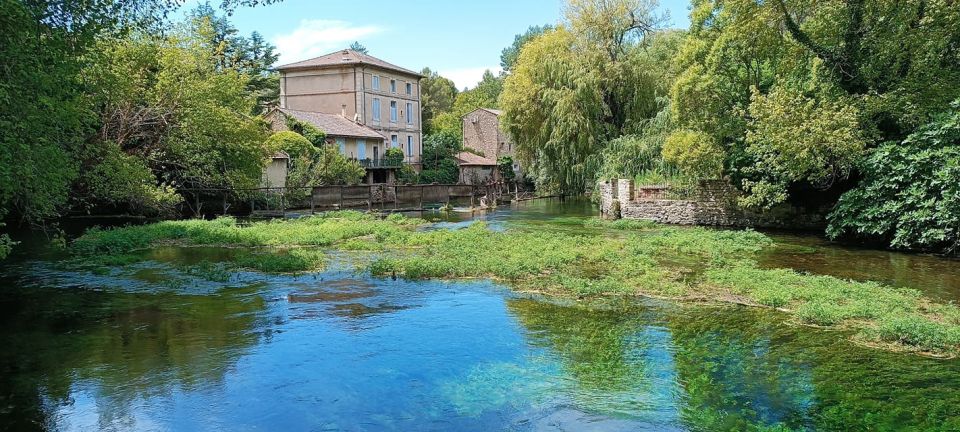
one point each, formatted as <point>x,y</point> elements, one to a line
<point>439,161</point>
<point>575,88</point>
<point>509,55</point>
<point>484,95</point>
<point>358,47</point>
<point>46,117</point>
<point>794,91</point>
<point>252,56</point>
<point>437,95</point>
<point>505,167</point>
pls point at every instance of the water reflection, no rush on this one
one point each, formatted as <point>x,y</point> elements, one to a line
<point>152,348</point>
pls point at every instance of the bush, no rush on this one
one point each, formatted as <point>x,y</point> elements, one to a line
<point>910,192</point>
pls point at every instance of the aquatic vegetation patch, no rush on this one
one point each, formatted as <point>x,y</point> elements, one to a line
<point>681,263</point>
<point>281,245</point>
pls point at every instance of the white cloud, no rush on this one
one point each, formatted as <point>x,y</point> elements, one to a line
<point>467,77</point>
<point>318,37</point>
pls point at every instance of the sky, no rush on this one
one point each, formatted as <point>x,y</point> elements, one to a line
<point>458,39</point>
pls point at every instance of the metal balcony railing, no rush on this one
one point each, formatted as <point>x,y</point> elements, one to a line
<point>385,162</point>
<point>381,163</point>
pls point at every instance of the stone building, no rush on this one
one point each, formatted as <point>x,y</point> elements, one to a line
<point>482,133</point>
<point>476,169</point>
<point>346,86</point>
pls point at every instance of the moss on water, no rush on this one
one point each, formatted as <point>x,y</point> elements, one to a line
<point>616,259</point>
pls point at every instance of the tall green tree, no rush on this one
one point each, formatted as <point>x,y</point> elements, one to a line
<point>252,56</point>
<point>509,55</point>
<point>484,95</point>
<point>168,105</point>
<point>437,95</point>
<point>575,88</point>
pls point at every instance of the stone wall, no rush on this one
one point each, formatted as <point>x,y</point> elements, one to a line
<point>715,204</point>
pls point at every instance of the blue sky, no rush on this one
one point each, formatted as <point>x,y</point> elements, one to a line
<point>458,39</point>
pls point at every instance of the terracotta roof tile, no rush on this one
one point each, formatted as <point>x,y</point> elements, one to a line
<point>333,124</point>
<point>467,158</point>
<point>343,57</point>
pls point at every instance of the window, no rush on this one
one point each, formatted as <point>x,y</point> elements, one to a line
<point>393,141</point>
<point>393,86</point>
<point>361,149</point>
<point>393,111</point>
<point>409,88</point>
<point>376,82</point>
<point>342,145</point>
<point>409,113</point>
<point>376,109</point>
<point>409,146</point>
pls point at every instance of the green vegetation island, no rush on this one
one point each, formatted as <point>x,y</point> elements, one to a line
<point>619,258</point>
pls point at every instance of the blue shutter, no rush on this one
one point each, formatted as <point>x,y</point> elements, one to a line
<point>361,149</point>
<point>409,146</point>
<point>342,144</point>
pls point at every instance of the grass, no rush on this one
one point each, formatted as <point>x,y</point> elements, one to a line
<point>625,258</point>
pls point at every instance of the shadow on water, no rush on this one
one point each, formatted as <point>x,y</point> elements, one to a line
<point>150,348</point>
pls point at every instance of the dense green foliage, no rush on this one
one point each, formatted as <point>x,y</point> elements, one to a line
<point>614,258</point>
<point>786,99</point>
<point>792,94</point>
<point>509,55</point>
<point>100,111</point>
<point>580,85</point>
<point>439,161</point>
<point>505,168</point>
<point>910,194</point>
<point>484,95</point>
<point>437,95</point>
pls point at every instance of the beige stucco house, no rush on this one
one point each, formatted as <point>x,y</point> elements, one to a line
<point>346,86</point>
<point>353,140</point>
<point>482,133</point>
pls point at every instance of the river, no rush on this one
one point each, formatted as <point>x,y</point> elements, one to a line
<point>144,349</point>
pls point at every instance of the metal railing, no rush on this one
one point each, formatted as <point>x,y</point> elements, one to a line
<point>381,163</point>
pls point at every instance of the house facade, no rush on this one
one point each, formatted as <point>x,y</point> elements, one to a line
<point>483,134</point>
<point>352,139</point>
<point>364,90</point>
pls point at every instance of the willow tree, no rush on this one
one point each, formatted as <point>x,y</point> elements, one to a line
<point>575,87</point>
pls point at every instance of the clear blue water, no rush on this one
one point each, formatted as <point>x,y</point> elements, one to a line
<point>148,348</point>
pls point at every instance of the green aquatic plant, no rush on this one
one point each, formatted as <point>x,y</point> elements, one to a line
<point>623,259</point>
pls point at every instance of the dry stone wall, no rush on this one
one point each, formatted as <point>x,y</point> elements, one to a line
<point>715,204</point>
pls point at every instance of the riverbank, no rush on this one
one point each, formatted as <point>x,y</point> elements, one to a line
<point>599,259</point>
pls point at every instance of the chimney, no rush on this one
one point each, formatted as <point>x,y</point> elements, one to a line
<point>343,110</point>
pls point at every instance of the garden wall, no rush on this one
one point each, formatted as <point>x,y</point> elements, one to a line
<point>714,203</point>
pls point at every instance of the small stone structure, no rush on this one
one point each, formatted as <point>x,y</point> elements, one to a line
<point>715,203</point>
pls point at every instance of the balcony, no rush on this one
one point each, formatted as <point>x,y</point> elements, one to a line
<point>382,163</point>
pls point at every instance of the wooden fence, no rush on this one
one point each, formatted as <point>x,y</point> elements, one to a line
<point>379,197</point>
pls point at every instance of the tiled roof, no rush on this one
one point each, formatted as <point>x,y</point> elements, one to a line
<point>333,124</point>
<point>495,112</point>
<point>467,158</point>
<point>343,57</point>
